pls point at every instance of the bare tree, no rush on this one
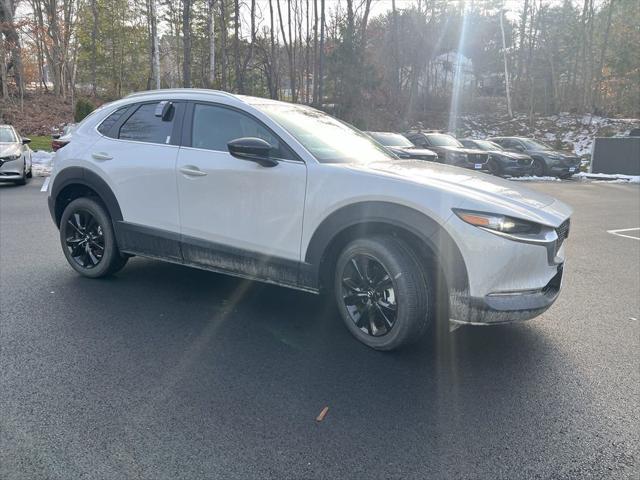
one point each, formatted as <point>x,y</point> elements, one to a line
<point>186,39</point>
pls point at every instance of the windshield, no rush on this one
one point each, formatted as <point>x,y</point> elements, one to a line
<point>483,145</point>
<point>391,139</point>
<point>442,140</point>
<point>533,145</point>
<point>7,135</point>
<point>328,139</point>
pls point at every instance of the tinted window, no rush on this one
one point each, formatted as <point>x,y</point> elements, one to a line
<point>107,123</point>
<point>145,126</point>
<point>214,127</point>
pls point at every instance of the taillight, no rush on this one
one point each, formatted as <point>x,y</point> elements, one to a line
<point>57,144</point>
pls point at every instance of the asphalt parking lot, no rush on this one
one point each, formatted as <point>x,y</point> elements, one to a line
<point>164,372</point>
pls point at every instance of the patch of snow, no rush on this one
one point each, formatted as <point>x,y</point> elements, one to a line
<point>612,178</point>
<point>536,179</point>
<point>42,163</point>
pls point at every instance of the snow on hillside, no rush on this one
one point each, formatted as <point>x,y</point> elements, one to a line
<point>565,131</point>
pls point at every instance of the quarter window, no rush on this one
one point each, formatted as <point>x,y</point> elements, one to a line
<point>214,127</point>
<point>108,123</point>
<point>145,126</point>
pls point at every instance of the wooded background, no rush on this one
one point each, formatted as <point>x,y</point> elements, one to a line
<point>379,64</point>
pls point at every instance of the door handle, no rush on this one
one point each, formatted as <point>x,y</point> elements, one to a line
<point>101,156</point>
<point>192,171</point>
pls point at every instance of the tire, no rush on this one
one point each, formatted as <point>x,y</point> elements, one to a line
<point>88,240</point>
<point>24,178</point>
<point>382,293</point>
<point>539,168</point>
<point>494,168</point>
<point>30,172</point>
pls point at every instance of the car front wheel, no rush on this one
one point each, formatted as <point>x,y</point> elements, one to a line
<point>381,292</point>
<point>88,240</point>
<point>539,168</point>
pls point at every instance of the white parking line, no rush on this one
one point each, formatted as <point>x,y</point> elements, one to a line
<point>617,232</point>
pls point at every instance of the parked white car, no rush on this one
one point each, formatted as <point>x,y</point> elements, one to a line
<point>15,156</point>
<point>288,195</point>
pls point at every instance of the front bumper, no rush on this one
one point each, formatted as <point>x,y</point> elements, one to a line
<point>514,169</point>
<point>510,277</point>
<point>505,307</point>
<point>11,170</point>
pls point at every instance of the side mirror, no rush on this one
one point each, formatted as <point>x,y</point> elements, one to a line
<point>55,136</point>
<point>25,140</point>
<point>252,149</point>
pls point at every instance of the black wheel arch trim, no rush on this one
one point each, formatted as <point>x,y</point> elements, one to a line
<point>87,178</point>
<point>420,225</point>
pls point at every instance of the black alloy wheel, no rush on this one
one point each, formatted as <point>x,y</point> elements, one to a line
<point>369,295</point>
<point>88,240</point>
<point>84,239</point>
<point>539,168</point>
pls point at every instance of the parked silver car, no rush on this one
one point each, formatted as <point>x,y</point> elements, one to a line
<point>15,156</point>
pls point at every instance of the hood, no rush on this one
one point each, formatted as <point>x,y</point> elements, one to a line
<point>553,153</point>
<point>513,155</point>
<point>419,151</point>
<point>472,151</point>
<point>7,149</point>
<point>475,186</point>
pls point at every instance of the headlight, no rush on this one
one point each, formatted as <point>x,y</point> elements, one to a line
<point>10,158</point>
<point>498,223</point>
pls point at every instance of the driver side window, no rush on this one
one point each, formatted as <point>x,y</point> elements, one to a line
<point>215,126</point>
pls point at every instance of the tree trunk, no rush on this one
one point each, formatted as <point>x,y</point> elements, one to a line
<point>506,69</point>
<point>94,49</point>
<point>321,56</point>
<point>211,32</point>
<point>223,46</point>
<point>186,38</point>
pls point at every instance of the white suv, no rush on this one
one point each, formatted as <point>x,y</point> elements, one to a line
<point>288,195</point>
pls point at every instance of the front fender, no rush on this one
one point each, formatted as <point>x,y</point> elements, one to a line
<point>362,214</point>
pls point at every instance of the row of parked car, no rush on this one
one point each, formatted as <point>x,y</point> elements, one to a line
<point>502,156</point>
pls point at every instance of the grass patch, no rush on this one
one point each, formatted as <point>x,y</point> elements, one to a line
<point>40,142</point>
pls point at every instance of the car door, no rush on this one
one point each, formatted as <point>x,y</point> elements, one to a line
<point>137,152</point>
<point>237,215</point>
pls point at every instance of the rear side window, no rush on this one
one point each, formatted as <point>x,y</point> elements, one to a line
<point>145,126</point>
<point>108,123</point>
<point>214,127</point>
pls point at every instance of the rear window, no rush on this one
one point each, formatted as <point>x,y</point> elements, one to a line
<point>145,126</point>
<point>108,123</point>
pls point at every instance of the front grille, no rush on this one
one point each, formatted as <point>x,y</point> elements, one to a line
<point>563,232</point>
<point>478,157</point>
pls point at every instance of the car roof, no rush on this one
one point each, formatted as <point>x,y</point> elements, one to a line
<point>203,94</point>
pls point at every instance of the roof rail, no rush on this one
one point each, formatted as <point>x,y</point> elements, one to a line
<point>180,90</point>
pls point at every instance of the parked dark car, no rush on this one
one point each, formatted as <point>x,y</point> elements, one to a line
<point>59,140</point>
<point>502,162</point>
<point>546,160</point>
<point>402,147</point>
<point>449,150</point>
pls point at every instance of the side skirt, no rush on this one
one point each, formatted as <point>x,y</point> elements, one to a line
<point>204,255</point>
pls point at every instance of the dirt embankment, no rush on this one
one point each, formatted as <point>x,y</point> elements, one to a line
<point>40,114</point>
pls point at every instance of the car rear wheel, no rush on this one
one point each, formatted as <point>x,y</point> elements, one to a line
<point>88,240</point>
<point>381,292</point>
<point>539,168</point>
